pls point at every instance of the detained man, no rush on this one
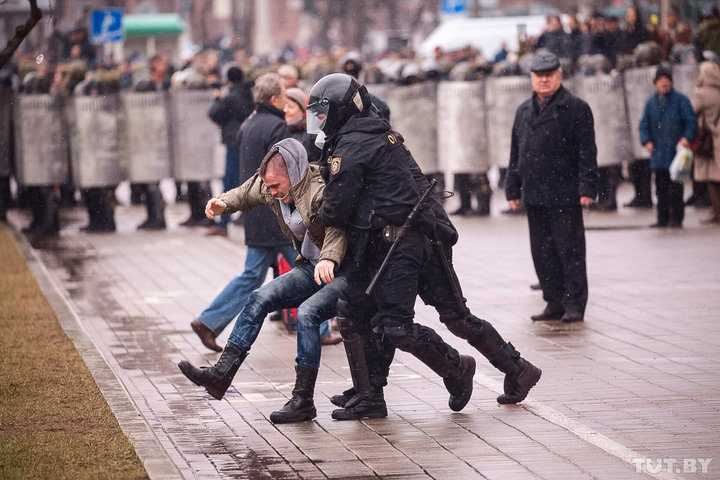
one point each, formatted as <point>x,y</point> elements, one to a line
<point>293,190</point>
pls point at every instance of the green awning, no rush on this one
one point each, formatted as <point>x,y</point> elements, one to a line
<point>153,24</point>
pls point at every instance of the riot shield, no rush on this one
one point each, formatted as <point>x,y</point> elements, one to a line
<point>193,135</point>
<point>414,115</point>
<point>504,95</point>
<point>96,141</point>
<point>684,77</point>
<point>147,136</point>
<point>461,130</point>
<point>40,140</point>
<point>604,94</point>
<point>638,87</point>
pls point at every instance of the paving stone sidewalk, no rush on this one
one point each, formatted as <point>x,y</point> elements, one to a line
<point>633,392</point>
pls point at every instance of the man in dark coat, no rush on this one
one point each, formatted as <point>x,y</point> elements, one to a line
<point>229,112</point>
<point>553,167</point>
<point>263,236</point>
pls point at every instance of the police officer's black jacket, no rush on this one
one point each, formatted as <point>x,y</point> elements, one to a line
<point>553,157</point>
<point>369,183</point>
<point>258,134</point>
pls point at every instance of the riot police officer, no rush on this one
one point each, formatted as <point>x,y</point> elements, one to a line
<point>370,193</point>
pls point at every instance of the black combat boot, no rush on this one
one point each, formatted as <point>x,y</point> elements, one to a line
<point>363,405</point>
<point>461,386</point>
<point>216,379</point>
<point>155,206</point>
<point>301,406</point>
<point>342,399</point>
<point>520,375</point>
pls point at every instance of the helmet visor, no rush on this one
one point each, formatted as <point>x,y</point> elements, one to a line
<point>317,113</point>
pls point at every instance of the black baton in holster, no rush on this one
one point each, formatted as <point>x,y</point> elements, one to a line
<point>408,222</point>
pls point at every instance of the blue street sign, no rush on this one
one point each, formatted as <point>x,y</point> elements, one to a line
<point>450,7</point>
<point>106,26</point>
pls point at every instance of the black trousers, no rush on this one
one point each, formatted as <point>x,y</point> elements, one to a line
<point>390,309</point>
<point>670,204</point>
<point>557,243</point>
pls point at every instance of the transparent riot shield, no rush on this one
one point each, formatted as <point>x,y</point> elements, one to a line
<point>414,115</point>
<point>193,135</point>
<point>461,133</point>
<point>147,126</point>
<point>503,96</point>
<point>604,94</point>
<point>40,140</point>
<point>684,77</point>
<point>638,87</point>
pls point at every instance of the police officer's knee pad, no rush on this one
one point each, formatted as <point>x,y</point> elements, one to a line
<point>466,327</point>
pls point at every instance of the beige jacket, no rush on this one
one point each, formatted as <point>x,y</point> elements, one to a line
<point>706,103</point>
<point>307,195</point>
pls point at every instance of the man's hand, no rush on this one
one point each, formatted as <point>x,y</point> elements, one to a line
<point>514,204</point>
<point>214,207</point>
<point>649,147</point>
<point>324,272</point>
<point>586,201</point>
<point>684,142</point>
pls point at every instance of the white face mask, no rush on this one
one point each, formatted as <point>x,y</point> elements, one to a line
<point>320,140</point>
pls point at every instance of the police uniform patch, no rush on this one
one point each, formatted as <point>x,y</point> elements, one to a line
<point>335,165</point>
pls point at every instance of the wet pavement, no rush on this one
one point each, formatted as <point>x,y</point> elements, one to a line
<point>633,392</point>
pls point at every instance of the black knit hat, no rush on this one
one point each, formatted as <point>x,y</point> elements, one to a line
<point>662,72</point>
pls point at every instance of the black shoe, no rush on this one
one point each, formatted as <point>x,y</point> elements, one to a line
<point>216,379</point>
<point>674,224</point>
<point>572,316</point>
<point>535,286</point>
<point>342,399</point>
<point>152,225</point>
<point>97,228</point>
<point>461,387</point>
<point>639,203</point>
<point>548,314</point>
<point>517,385</point>
<point>198,222</point>
<point>659,225</point>
<point>361,407</point>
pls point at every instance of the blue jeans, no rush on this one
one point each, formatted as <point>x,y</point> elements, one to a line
<point>231,179</point>
<point>234,296</point>
<point>296,288</point>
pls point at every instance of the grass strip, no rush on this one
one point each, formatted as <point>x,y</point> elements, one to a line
<point>54,422</point>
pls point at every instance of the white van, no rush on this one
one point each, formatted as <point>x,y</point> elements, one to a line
<point>485,33</point>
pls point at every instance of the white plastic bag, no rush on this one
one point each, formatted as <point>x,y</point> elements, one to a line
<point>681,165</point>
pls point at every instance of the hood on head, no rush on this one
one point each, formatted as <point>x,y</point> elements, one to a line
<point>295,158</point>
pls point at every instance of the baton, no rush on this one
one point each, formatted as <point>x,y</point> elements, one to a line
<point>408,222</point>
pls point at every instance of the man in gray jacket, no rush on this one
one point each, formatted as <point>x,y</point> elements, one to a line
<point>293,190</point>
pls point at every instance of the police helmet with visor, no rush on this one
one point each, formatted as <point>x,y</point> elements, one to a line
<point>333,100</point>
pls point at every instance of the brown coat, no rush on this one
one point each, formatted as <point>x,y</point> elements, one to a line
<point>706,103</point>
<point>307,194</point>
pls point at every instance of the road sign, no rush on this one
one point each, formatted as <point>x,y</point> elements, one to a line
<point>106,26</point>
<point>453,7</point>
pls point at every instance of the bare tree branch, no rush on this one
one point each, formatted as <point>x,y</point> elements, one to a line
<point>21,31</point>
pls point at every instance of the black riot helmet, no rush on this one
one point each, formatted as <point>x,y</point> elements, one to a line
<point>333,100</point>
